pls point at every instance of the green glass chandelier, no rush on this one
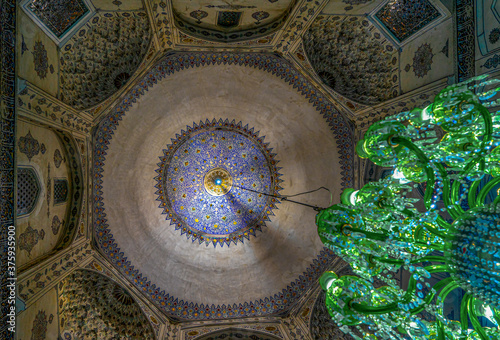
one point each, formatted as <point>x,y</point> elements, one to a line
<point>379,231</point>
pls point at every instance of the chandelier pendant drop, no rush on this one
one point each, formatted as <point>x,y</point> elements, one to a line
<point>452,241</point>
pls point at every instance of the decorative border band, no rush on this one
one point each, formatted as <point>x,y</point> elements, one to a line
<point>465,39</point>
<point>7,147</point>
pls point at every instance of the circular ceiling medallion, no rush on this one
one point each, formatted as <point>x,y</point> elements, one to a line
<point>218,182</point>
<point>213,179</point>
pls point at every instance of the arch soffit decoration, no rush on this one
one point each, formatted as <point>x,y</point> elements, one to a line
<point>75,195</point>
<point>208,31</point>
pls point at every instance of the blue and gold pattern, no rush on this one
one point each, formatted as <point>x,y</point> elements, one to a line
<point>171,64</point>
<point>208,212</point>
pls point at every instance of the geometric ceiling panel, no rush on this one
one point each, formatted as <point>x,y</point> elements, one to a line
<point>58,18</point>
<point>404,18</point>
<point>236,157</point>
<point>60,191</point>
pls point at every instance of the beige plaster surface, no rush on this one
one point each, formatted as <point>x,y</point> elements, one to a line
<point>48,304</point>
<point>485,27</point>
<point>40,218</point>
<point>265,264</point>
<point>441,66</point>
<point>125,5</point>
<point>339,7</point>
<point>25,67</point>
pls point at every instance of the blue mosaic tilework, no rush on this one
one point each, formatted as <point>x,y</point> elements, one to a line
<point>404,18</point>
<point>58,15</point>
<point>28,190</point>
<point>217,219</point>
<point>186,310</point>
<point>466,39</point>
<point>7,148</point>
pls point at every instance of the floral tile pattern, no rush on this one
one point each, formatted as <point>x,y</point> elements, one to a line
<point>29,146</point>
<point>58,15</point>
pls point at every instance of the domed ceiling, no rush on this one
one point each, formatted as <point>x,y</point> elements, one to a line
<point>186,167</point>
<point>179,152</point>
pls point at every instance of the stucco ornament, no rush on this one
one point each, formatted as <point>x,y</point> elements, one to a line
<point>29,146</point>
<point>40,59</point>
<point>422,60</point>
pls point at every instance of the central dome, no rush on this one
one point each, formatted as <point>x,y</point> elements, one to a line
<point>214,181</point>
<point>218,182</point>
<point>136,146</point>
